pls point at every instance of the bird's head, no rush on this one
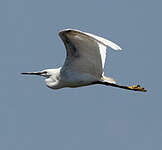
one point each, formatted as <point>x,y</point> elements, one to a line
<point>51,75</point>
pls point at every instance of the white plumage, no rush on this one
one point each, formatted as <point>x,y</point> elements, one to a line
<point>86,53</point>
<point>84,63</point>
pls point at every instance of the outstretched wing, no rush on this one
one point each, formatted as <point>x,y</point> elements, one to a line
<point>86,53</point>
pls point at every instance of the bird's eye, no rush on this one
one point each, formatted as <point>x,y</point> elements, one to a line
<point>44,72</point>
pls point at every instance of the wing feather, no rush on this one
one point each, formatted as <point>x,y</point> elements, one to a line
<point>105,41</point>
<point>86,53</point>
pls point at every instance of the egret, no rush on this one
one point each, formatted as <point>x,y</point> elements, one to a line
<point>84,63</point>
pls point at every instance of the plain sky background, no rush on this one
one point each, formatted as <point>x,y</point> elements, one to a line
<point>34,117</point>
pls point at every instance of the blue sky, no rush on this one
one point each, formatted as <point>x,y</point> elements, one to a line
<point>95,117</point>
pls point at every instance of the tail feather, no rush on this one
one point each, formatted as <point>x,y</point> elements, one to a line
<point>108,79</point>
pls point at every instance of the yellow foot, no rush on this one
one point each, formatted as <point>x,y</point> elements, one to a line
<point>137,88</point>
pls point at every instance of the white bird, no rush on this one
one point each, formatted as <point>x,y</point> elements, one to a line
<point>84,63</point>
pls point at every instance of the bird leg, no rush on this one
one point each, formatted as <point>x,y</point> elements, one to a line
<point>137,88</point>
<point>133,88</point>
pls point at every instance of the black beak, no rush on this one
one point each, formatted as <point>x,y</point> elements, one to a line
<point>32,73</point>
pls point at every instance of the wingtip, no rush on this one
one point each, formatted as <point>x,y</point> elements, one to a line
<point>102,40</point>
<point>115,47</point>
<point>120,49</point>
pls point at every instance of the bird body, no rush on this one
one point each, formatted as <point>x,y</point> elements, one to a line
<point>60,79</point>
<point>84,63</point>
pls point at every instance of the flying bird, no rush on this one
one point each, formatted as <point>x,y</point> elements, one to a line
<point>84,63</point>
